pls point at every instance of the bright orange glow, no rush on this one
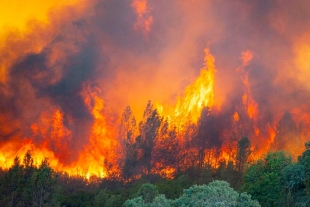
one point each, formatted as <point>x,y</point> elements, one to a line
<point>196,96</point>
<point>165,172</point>
<point>303,52</point>
<point>102,154</point>
<point>17,14</point>
<point>98,158</point>
<point>248,101</point>
<point>10,150</point>
<point>55,135</point>
<point>68,69</point>
<point>19,20</point>
<point>236,117</point>
<point>188,109</point>
<point>302,56</point>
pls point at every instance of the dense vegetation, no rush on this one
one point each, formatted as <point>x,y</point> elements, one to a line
<point>274,180</point>
<point>199,176</point>
<point>216,193</point>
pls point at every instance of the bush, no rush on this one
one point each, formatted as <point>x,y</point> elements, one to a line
<point>216,193</point>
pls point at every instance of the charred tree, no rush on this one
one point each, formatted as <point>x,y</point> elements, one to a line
<point>149,129</point>
<point>167,149</point>
<point>243,153</point>
<point>127,133</point>
<point>207,137</point>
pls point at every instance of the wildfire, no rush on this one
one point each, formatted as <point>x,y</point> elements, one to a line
<point>68,67</point>
<point>196,96</point>
<point>248,101</point>
<point>100,155</point>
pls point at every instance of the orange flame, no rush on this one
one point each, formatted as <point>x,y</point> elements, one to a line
<point>49,132</point>
<point>197,96</point>
<point>100,156</point>
<point>247,99</point>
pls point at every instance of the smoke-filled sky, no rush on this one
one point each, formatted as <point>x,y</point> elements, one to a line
<point>139,50</point>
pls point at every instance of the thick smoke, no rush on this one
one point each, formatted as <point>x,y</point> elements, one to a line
<point>98,43</point>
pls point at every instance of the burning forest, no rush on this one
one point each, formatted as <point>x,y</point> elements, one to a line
<point>114,88</point>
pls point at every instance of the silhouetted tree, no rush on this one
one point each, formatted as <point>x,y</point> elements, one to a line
<point>167,149</point>
<point>127,133</point>
<point>12,185</point>
<point>27,185</point>
<point>207,135</point>
<point>128,126</point>
<point>28,170</point>
<point>244,151</point>
<point>44,190</point>
<point>304,161</point>
<point>149,129</point>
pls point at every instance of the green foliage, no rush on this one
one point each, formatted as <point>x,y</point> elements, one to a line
<point>76,191</point>
<point>12,185</point>
<point>135,202</point>
<point>26,185</point>
<point>245,200</point>
<point>217,193</point>
<point>174,188</point>
<point>228,172</point>
<point>276,161</point>
<point>147,196</point>
<point>77,199</point>
<point>263,179</point>
<point>304,160</point>
<point>148,192</point>
<point>101,198</point>
<point>292,181</point>
<point>159,201</point>
<point>44,190</point>
<point>206,175</point>
<point>274,180</point>
<point>105,199</point>
<point>148,138</point>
